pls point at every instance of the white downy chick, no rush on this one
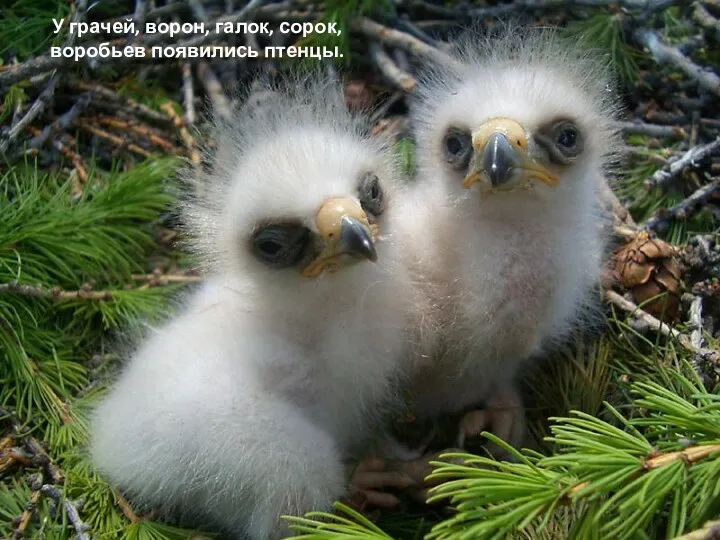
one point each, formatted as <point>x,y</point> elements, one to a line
<point>515,135</point>
<point>247,405</point>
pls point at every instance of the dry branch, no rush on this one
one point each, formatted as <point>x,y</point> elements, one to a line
<point>162,279</point>
<point>187,139</point>
<point>684,208</point>
<point>395,75</point>
<point>663,53</point>
<point>395,38</point>
<point>62,122</point>
<point>65,150</point>
<point>188,94</point>
<point>27,514</point>
<point>654,324</point>
<point>652,130</point>
<point>122,143</point>
<point>703,17</point>
<point>709,531</point>
<point>696,154</point>
<point>220,103</point>
<point>35,110</point>
<point>71,509</point>
<point>133,107</point>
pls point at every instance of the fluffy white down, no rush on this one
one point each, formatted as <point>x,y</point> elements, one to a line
<point>511,272</point>
<point>246,405</point>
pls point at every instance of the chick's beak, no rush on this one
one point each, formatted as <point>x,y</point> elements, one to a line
<point>501,157</point>
<point>348,235</point>
<point>356,238</point>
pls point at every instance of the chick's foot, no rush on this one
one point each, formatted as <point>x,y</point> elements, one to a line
<point>371,476</point>
<point>419,469</point>
<point>504,416</point>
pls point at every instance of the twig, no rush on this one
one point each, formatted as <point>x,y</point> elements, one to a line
<point>612,204</point>
<point>188,94</point>
<point>71,509</point>
<point>432,9</point>
<point>658,326</point>
<point>709,531</point>
<point>395,75</point>
<point>690,455</point>
<point>54,293</point>
<point>408,26</point>
<point>652,130</point>
<point>62,122</point>
<point>153,13</point>
<point>684,208</point>
<point>663,177</point>
<point>35,109</point>
<point>134,107</point>
<point>175,118</point>
<point>502,10</point>
<point>42,459</point>
<point>166,278</point>
<point>46,96</point>
<point>662,53</point>
<point>64,150</point>
<point>140,13</point>
<point>198,10</point>
<point>125,507</point>
<point>696,337</point>
<point>214,89</point>
<point>27,514</point>
<point>395,38</point>
<point>696,322</point>
<point>112,138</point>
<point>141,130</point>
<point>40,64</point>
<point>703,17</point>
<point>694,128</point>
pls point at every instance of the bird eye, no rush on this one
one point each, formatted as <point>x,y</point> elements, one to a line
<point>562,140</point>
<point>567,137</point>
<point>370,193</point>
<point>457,146</point>
<point>280,246</point>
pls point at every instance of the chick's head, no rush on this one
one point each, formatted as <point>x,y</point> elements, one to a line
<point>518,115</point>
<point>300,196</point>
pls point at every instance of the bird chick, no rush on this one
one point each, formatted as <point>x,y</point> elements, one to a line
<point>514,137</point>
<point>248,405</point>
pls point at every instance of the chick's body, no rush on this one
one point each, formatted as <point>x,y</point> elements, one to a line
<point>246,406</point>
<point>530,120</point>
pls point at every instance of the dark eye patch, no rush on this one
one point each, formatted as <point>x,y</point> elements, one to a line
<point>563,141</point>
<point>371,195</point>
<point>280,245</point>
<point>457,147</point>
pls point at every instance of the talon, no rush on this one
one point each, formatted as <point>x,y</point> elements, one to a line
<point>418,470</point>
<point>504,417</point>
<point>471,425</point>
<point>371,475</point>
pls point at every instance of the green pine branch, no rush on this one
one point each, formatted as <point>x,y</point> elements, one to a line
<point>605,32</point>
<point>67,266</point>
<point>656,475</point>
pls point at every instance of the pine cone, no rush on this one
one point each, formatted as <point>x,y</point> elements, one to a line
<point>648,267</point>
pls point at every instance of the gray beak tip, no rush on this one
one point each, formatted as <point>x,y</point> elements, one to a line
<point>356,238</point>
<point>499,159</point>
